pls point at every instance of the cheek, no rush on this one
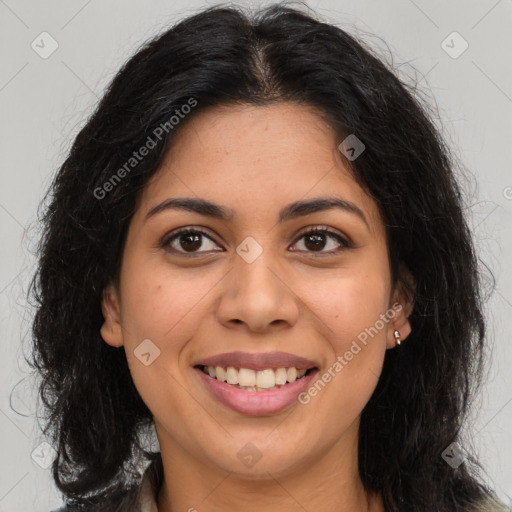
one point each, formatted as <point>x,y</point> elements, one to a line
<point>349,317</point>
<point>350,303</point>
<point>348,307</point>
<point>161,303</point>
<point>163,307</point>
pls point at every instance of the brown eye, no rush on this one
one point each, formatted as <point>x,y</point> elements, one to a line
<point>186,241</point>
<point>315,240</point>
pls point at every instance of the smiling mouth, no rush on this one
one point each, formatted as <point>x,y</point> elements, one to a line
<point>255,380</point>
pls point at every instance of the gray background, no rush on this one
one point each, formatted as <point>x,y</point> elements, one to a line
<point>44,102</point>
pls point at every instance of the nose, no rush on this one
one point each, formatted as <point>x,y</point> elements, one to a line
<point>258,295</point>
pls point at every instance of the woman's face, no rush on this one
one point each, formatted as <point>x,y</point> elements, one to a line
<point>237,290</point>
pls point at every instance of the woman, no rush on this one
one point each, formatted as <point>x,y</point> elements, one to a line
<point>256,245</point>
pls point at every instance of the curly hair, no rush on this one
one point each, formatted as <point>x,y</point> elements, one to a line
<point>220,56</point>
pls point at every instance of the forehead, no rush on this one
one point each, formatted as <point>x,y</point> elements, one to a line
<point>255,158</point>
<point>270,137</point>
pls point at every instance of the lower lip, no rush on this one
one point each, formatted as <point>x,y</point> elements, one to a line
<point>257,402</point>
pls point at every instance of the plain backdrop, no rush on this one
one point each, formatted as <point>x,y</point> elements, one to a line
<point>45,101</point>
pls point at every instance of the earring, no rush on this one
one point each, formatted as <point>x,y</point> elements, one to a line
<point>396,334</point>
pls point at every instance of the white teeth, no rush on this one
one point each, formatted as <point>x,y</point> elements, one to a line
<point>220,373</point>
<point>265,379</point>
<point>291,374</point>
<point>232,375</point>
<point>246,377</point>
<point>251,380</point>
<point>281,376</point>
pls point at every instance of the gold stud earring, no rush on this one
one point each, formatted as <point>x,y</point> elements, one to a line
<point>396,334</point>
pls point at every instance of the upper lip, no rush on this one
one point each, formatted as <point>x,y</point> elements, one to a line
<point>255,361</point>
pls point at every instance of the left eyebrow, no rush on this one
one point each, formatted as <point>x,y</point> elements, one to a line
<point>289,212</point>
<point>200,206</point>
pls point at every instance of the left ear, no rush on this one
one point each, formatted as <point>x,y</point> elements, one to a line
<point>402,303</point>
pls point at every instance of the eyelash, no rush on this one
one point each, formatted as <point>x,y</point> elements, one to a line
<point>345,244</point>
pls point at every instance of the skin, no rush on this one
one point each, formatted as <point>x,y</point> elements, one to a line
<point>255,160</point>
